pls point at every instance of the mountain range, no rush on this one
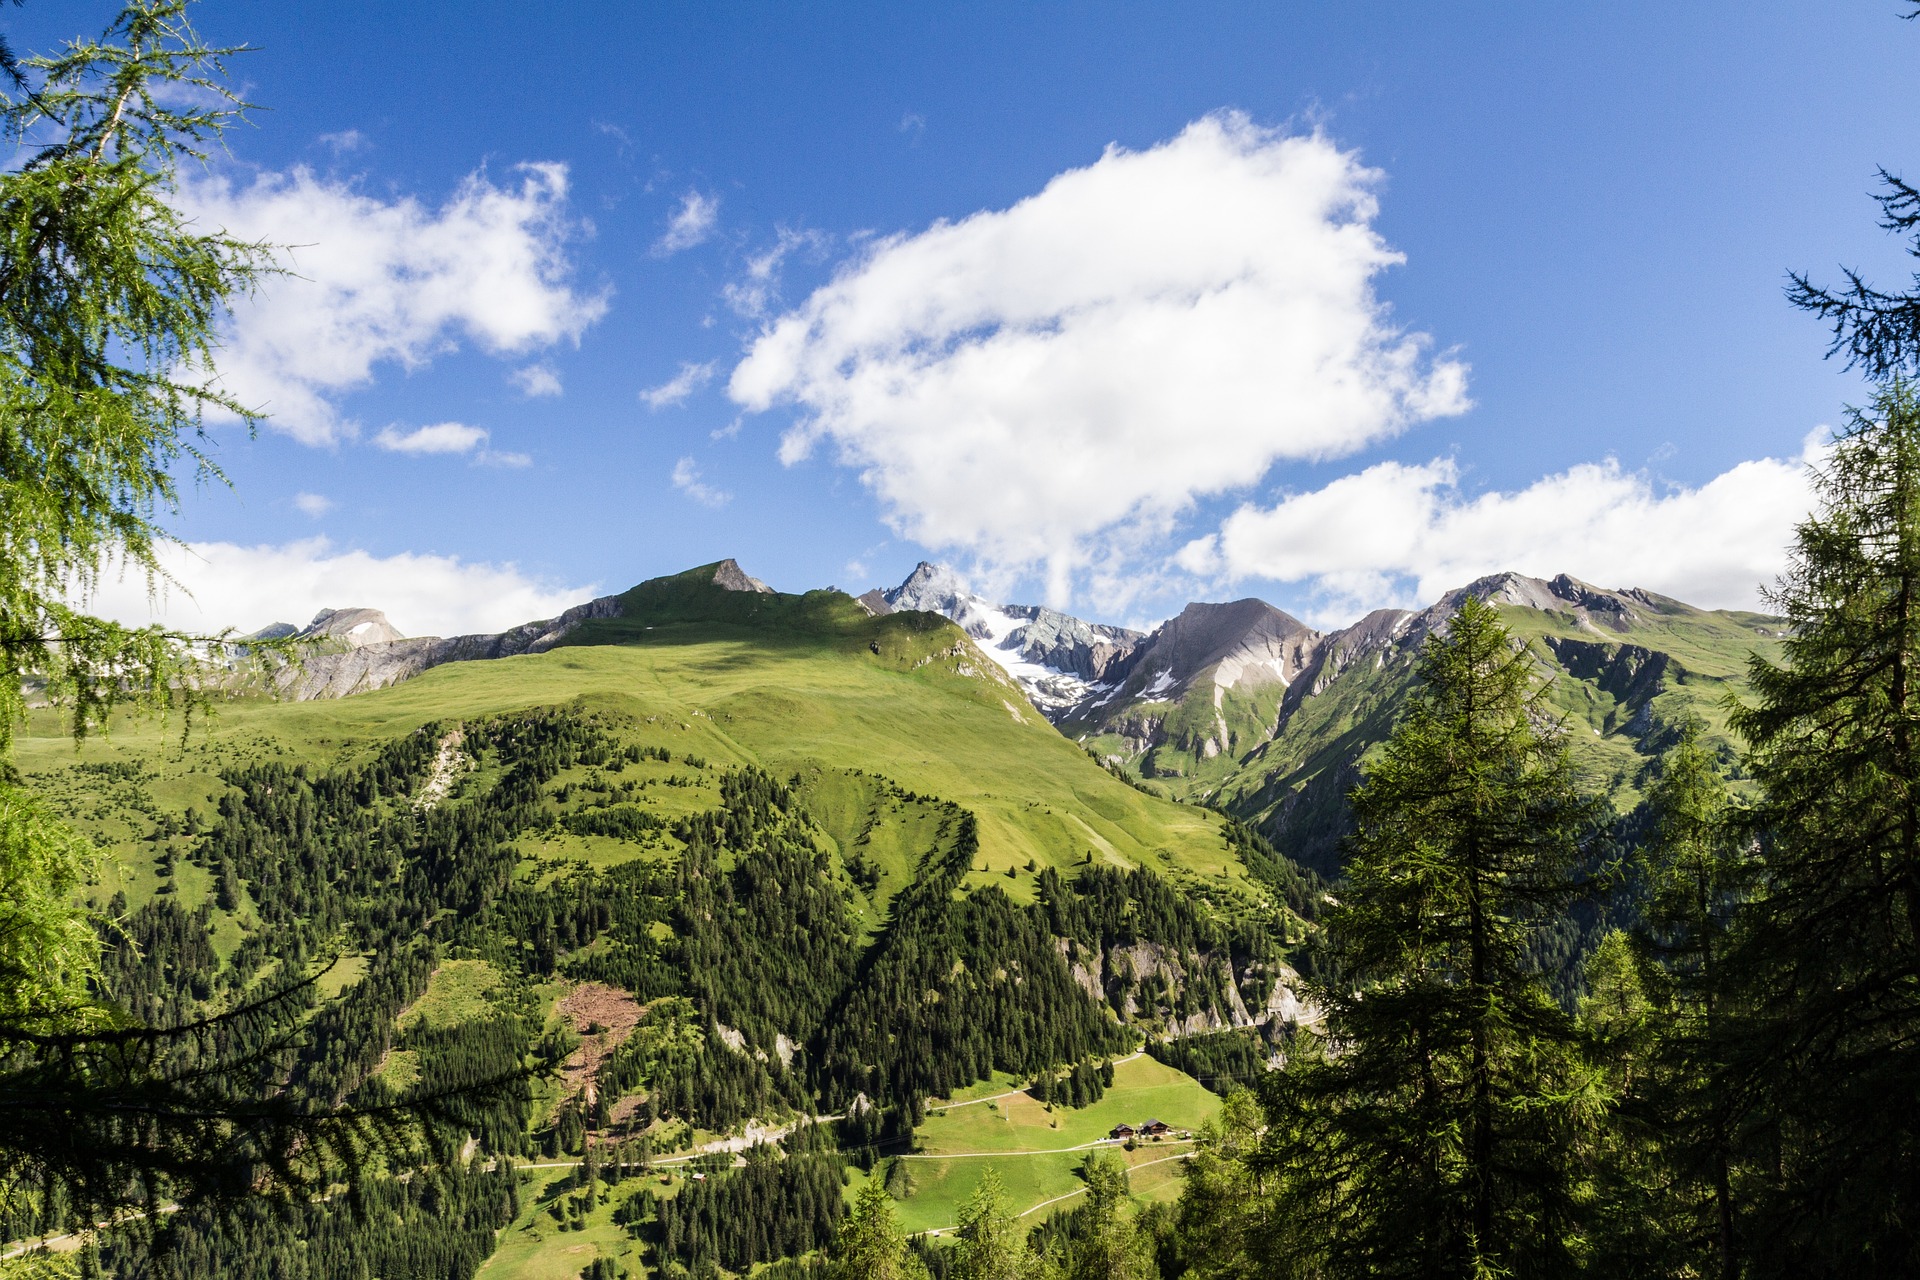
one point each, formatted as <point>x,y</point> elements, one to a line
<point>1236,704</point>
<point>762,856</point>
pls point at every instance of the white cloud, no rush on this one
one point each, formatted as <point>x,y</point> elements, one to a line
<point>676,389</point>
<point>441,437</point>
<point>690,224</point>
<point>313,504</point>
<point>248,587</point>
<point>755,293</point>
<point>536,380</point>
<point>1398,534</point>
<point>344,141</point>
<point>389,282</point>
<point>686,478</point>
<point>503,458</point>
<point>1045,384</point>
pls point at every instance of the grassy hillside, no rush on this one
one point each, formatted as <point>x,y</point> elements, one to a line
<point>803,684</point>
<point>749,857</point>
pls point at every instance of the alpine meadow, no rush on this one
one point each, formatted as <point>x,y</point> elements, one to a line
<point>1456,916</point>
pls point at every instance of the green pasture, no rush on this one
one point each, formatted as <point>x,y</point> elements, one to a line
<point>536,1248</point>
<point>957,1144</point>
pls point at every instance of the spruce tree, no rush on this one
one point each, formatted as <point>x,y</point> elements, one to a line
<point>869,1246</point>
<point>992,1245</point>
<point>1826,1068</point>
<point>1104,1244</point>
<point>1696,871</point>
<point>1440,1134</point>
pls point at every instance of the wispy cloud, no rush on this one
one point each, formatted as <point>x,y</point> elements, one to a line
<point>681,385</point>
<point>441,437</point>
<point>344,141</point>
<point>313,504</point>
<point>686,478</point>
<point>690,225</point>
<point>758,291</point>
<point>536,380</point>
<point>623,141</point>
<point>913,124</point>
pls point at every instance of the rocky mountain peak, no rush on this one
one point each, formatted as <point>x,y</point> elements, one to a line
<point>1594,606</point>
<point>354,627</point>
<point>934,588</point>
<point>729,576</point>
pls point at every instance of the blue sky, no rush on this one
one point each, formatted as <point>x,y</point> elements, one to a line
<point>1360,301</point>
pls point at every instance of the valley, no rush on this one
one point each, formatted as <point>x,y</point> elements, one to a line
<point>733,859</point>
<point>901,892</point>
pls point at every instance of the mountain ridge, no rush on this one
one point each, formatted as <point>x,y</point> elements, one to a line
<point>1234,704</point>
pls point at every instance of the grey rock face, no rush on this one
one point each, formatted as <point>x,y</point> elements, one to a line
<point>733,578</point>
<point>1091,650</point>
<point>1245,642</point>
<point>355,628</point>
<point>377,664</point>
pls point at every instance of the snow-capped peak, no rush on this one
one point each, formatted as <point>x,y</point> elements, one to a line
<point>1058,660</point>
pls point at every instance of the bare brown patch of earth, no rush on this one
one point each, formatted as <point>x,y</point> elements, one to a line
<point>603,1017</point>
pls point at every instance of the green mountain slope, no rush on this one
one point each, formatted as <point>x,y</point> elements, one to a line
<point>1622,667</point>
<point>757,856</point>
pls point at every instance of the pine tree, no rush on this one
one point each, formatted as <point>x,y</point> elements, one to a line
<point>1829,949</point>
<point>1440,1134</point>
<point>1697,871</point>
<point>1103,1244</point>
<point>869,1246</point>
<point>992,1246</point>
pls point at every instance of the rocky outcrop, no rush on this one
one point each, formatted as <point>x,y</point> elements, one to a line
<point>352,651</point>
<point>364,664</point>
<point>729,576</point>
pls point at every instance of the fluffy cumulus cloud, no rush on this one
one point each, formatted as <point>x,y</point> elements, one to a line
<point>225,585</point>
<point>1037,385</point>
<point>375,282</point>
<point>1399,534</point>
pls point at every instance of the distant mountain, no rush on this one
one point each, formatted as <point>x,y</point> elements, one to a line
<point>1060,661</point>
<point>358,650</point>
<point>1238,705</point>
<point>1247,708</point>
